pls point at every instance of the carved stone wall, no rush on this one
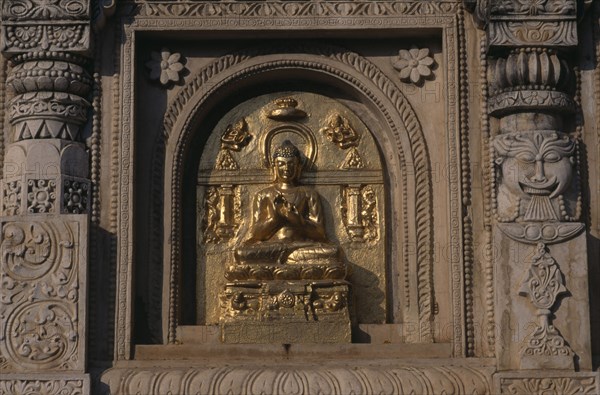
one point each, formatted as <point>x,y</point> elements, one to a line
<point>536,190</point>
<point>45,198</point>
<point>475,247</point>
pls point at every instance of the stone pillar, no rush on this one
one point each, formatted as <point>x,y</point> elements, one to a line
<point>45,193</point>
<point>541,304</point>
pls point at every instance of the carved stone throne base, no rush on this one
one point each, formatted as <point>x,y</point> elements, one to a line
<point>298,311</point>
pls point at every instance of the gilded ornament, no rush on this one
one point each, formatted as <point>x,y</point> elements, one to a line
<point>340,132</point>
<point>236,136</point>
<point>286,110</point>
<point>287,261</point>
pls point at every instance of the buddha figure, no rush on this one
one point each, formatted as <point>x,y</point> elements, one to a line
<point>287,224</point>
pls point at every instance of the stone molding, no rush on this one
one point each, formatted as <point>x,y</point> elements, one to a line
<point>394,378</point>
<point>37,25</point>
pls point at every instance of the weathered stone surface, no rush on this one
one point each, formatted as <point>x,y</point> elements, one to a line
<point>293,379</point>
<point>457,170</point>
<point>43,296</point>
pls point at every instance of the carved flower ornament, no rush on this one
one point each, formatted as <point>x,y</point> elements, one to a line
<point>414,64</point>
<point>165,66</point>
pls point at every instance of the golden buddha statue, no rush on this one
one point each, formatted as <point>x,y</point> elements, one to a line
<point>287,222</point>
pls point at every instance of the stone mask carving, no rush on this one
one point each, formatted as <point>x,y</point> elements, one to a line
<point>536,171</point>
<point>538,163</point>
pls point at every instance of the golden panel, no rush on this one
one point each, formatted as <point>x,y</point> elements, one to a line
<point>341,167</point>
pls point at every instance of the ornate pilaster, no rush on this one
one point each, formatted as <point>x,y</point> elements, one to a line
<point>45,197</point>
<point>540,269</point>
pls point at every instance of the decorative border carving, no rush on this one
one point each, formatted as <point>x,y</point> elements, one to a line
<point>300,380</point>
<point>546,383</point>
<point>24,38</point>
<point>467,241</point>
<point>533,33</point>
<point>296,9</point>
<point>530,100</point>
<point>44,386</point>
<point>32,10</point>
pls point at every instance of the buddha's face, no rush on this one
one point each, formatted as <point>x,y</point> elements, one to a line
<point>286,169</point>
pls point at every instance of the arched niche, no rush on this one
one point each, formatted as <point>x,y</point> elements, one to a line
<point>342,164</point>
<point>221,86</point>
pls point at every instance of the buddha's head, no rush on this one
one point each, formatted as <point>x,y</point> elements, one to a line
<point>287,163</point>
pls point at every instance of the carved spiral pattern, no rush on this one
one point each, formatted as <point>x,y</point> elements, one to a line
<point>28,252</point>
<point>42,333</point>
<point>45,9</point>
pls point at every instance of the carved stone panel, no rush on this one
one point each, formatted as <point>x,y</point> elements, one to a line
<point>541,302</point>
<point>43,293</point>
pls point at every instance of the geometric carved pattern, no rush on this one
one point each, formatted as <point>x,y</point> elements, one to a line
<point>75,195</point>
<point>42,298</point>
<point>41,196</point>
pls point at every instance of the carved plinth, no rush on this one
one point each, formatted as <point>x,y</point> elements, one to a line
<point>296,311</point>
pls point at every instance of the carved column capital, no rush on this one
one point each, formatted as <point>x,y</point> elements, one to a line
<point>41,25</point>
<point>525,23</point>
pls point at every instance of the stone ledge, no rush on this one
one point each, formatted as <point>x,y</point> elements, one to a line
<point>360,377</point>
<point>293,352</point>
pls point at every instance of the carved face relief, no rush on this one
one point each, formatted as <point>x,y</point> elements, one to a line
<point>538,163</point>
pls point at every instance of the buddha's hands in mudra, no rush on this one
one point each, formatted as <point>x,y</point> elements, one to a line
<point>286,210</point>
